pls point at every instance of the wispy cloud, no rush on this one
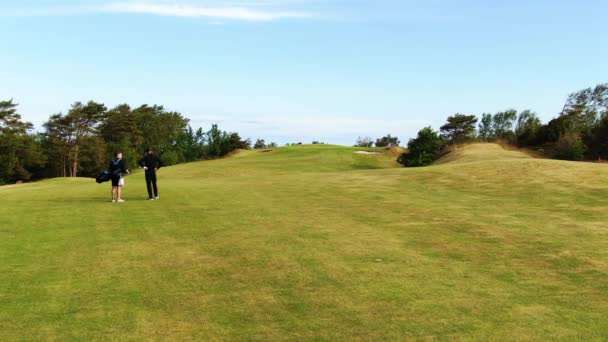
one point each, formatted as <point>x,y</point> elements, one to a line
<point>229,12</point>
<point>252,10</point>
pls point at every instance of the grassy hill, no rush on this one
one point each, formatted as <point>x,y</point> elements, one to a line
<point>313,242</point>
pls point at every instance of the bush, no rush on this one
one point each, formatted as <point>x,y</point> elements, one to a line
<point>237,143</point>
<point>570,147</point>
<point>387,141</point>
<point>417,160</point>
<point>423,150</point>
<point>169,158</point>
<point>259,144</point>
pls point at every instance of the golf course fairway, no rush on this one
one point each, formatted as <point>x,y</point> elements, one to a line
<point>313,242</point>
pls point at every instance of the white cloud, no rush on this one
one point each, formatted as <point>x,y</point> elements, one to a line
<point>252,10</point>
<point>190,10</point>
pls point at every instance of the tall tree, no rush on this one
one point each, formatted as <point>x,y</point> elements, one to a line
<point>69,130</point>
<point>191,144</point>
<point>528,126</point>
<point>21,152</point>
<point>94,156</point>
<point>218,142</point>
<point>459,128</point>
<point>586,107</point>
<point>58,134</point>
<point>161,130</point>
<point>10,120</point>
<point>502,123</point>
<point>120,130</point>
<point>486,132</point>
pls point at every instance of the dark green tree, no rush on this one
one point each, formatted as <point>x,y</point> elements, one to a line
<point>21,152</point>
<point>570,147</point>
<point>259,144</point>
<point>554,129</point>
<point>459,128</point>
<point>120,131</point>
<point>422,150</point>
<point>237,143</point>
<point>218,142</point>
<point>598,140</point>
<point>387,141</point>
<point>191,144</point>
<point>94,156</point>
<point>486,130</point>
<point>68,131</point>
<point>503,122</point>
<point>160,129</point>
<point>528,126</point>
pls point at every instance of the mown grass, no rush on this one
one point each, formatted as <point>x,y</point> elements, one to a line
<point>313,243</point>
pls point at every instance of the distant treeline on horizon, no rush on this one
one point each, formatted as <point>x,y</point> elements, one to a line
<point>81,142</point>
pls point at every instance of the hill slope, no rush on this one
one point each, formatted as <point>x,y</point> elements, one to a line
<point>481,152</point>
<point>313,243</point>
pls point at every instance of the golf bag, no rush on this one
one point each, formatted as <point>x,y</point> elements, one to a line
<point>103,177</point>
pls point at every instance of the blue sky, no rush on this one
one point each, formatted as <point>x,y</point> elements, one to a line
<point>298,70</point>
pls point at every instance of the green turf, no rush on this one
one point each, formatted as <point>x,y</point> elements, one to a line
<point>313,243</point>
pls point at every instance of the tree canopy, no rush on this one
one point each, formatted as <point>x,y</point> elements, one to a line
<point>387,141</point>
<point>422,150</point>
<point>81,141</point>
<point>459,128</point>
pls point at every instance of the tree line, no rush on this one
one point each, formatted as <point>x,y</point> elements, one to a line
<point>579,132</point>
<point>81,142</point>
<point>385,141</point>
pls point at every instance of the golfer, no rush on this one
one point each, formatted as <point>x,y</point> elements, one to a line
<point>118,170</point>
<point>150,163</point>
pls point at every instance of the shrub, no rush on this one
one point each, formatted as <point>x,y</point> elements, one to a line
<point>169,158</point>
<point>423,150</point>
<point>570,147</point>
<point>237,143</point>
<point>387,141</point>
<point>259,144</point>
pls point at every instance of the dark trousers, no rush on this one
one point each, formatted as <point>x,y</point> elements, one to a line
<point>151,183</point>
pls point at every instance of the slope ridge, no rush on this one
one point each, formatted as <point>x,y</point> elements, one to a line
<point>481,152</point>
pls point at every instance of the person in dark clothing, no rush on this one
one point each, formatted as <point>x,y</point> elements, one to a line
<point>150,163</point>
<point>118,169</point>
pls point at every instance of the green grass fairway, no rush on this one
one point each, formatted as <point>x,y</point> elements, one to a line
<point>313,243</point>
